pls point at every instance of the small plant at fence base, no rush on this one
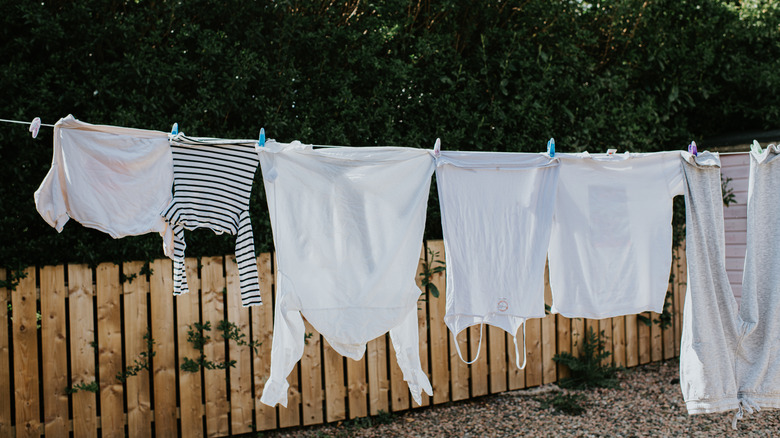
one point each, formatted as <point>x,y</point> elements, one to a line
<point>570,404</point>
<point>196,335</point>
<point>587,371</point>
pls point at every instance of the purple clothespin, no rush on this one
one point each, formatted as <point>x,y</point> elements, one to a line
<point>692,149</point>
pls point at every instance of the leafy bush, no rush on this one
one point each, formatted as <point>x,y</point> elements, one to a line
<point>503,76</point>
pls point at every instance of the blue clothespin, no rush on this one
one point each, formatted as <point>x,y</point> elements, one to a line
<point>261,141</point>
<point>692,149</point>
<point>175,129</point>
<point>551,147</point>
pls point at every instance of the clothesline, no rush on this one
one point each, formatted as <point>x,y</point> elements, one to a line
<point>23,123</point>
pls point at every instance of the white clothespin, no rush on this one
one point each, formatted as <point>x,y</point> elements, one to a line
<point>551,147</point>
<point>611,151</point>
<point>437,148</point>
<point>755,147</point>
<point>35,125</point>
<point>261,140</point>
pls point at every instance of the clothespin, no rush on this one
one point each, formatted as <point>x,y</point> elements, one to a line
<point>437,148</point>
<point>35,125</point>
<point>611,151</point>
<point>692,149</point>
<point>261,141</point>
<point>755,147</point>
<point>174,129</point>
<point>551,147</point>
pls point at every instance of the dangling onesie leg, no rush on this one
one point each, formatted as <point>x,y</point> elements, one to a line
<point>405,339</point>
<point>286,351</point>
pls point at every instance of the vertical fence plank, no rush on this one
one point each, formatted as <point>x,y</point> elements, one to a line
<point>422,324</point>
<point>357,387</point>
<point>668,331</point>
<point>190,388</point>
<point>578,334</point>
<point>109,328</point>
<point>378,379</point>
<point>399,390</point>
<point>498,359</point>
<point>632,341</point>
<point>139,416</point>
<point>82,348</point>
<point>164,371</point>
<point>335,388</point>
<point>311,378</point>
<point>549,367</point>
<point>5,362</point>
<point>656,341</point>
<point>680,289</point>
<point>440,371</point>
<point>291,415</point>
<point>605,327</point>
<point>516,376</point>
<point>262,331</point>
<point>619,341</point>
<point>563,326</point>
<point>479,369</point>
<point>644,336</point>
<point>54,351</point>
<point>533,342</point>
<point>213,290</point>
<point>25,366</point>
<point>458,369</point>
<point>241,373</point>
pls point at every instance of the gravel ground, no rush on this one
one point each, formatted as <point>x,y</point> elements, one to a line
<point>648,403</point>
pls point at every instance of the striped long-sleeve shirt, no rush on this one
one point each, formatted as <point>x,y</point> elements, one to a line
<point>212,182</point>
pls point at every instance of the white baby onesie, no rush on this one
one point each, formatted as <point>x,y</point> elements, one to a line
<point>611,245</point>
<point>348,226</point>
<point>113,179</point>
<point>496,211</point>
<point>212,184</point>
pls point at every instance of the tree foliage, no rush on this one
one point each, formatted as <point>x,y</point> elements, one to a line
<point>642,75</point>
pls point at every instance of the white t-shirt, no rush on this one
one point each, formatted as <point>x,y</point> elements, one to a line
<point>113,179</point>
<point>611,246</point>
<point>496,213</point>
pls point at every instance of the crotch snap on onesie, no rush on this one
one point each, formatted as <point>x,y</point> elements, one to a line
<point>496,211</point>
<point>348,226</point>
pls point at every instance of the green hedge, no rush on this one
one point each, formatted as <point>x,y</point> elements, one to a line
<point>482,75</point>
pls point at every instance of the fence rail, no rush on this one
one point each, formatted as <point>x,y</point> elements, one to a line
<point>78,328</point>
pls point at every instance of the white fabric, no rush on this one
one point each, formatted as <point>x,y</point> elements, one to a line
<point>611,245</point>
<point>496,211</point>
<point>116,180</point>
<point>348,226</point>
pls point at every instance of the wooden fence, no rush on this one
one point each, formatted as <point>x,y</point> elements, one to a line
<point>70,326</point>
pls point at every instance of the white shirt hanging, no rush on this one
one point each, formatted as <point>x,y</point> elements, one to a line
<point>348,226</point>
<point>611,245</point>
<point>113,179</point>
